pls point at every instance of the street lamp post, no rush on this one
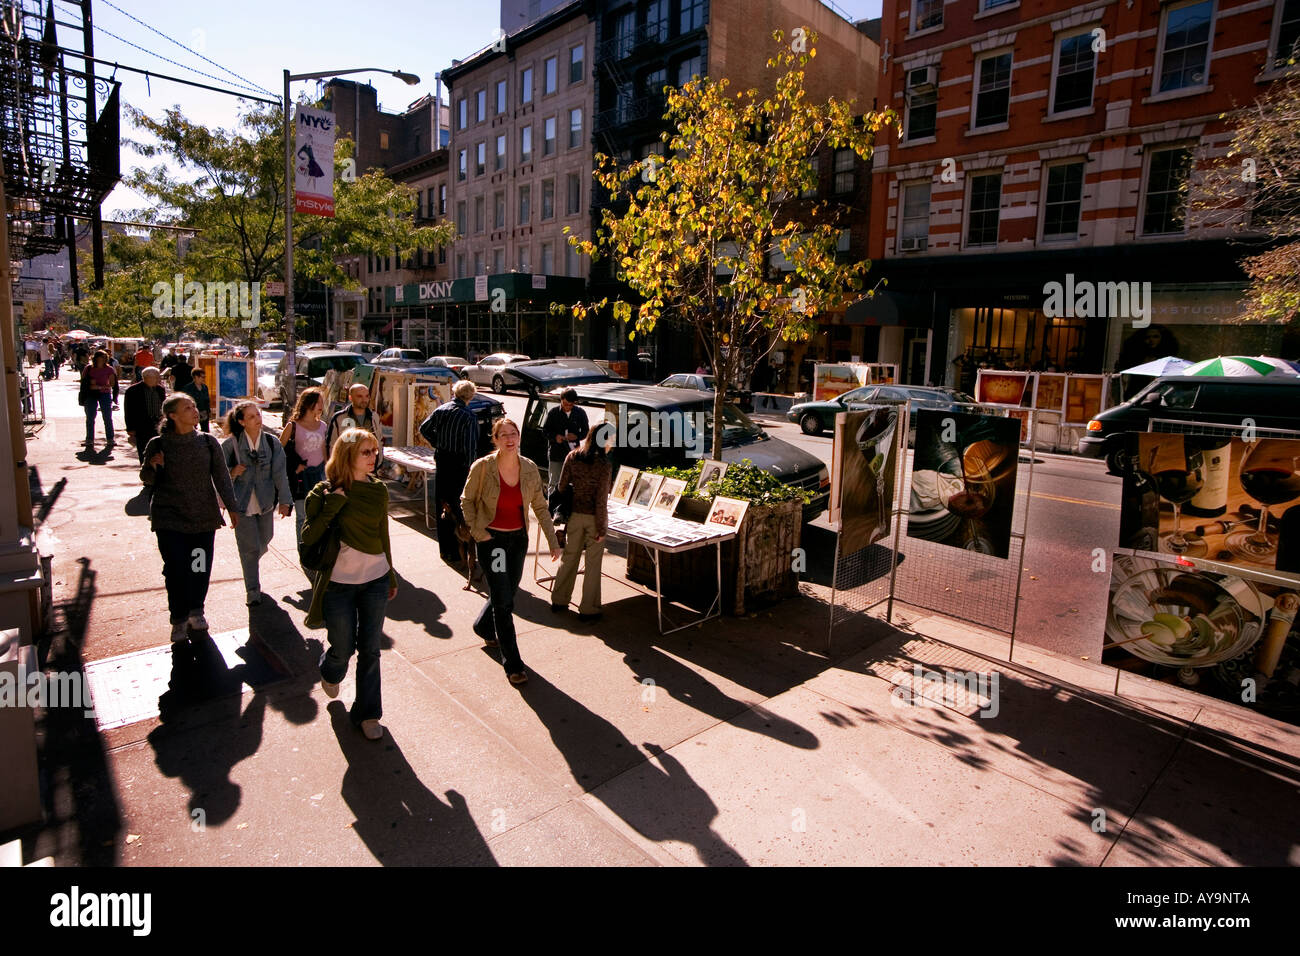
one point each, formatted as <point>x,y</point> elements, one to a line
<point>291,348</point>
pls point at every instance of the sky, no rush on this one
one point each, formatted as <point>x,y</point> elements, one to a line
<point>259,40</point>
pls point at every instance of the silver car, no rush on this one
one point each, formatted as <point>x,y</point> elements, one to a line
<point>490,371</point>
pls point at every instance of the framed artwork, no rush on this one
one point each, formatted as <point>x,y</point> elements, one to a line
<point>727,513</point>
<point>623,482</point>
<point>666,500</point>
<point>643,492</point>
<point>712,471</point>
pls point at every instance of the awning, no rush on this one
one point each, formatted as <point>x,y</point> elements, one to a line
<point>890,308</point>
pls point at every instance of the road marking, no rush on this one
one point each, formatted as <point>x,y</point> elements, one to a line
<point>1075,501</point>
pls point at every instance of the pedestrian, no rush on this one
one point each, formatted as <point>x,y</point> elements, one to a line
<point>142,360</point>
<point>351,594</point>
<point>356,414</point>
<point>46,351</point>
<point>499,487</point>
<point>565,426</point>
<point>453,432</point>
<point>197,389</point>
<point>256,463</point>
<point>190,481</point>
<point>587,471</point>
<point>304,450</point>
<point>99,389</point>
<point>144,401</point>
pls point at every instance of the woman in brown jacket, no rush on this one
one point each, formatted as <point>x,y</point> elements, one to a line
<point>499,487</point>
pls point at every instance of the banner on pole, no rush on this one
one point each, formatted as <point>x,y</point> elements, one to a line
<point>313,179</point>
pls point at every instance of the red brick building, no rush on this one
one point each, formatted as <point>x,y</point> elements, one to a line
<point>1046,138</point>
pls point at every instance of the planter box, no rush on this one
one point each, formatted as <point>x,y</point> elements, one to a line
<point>756,564</point>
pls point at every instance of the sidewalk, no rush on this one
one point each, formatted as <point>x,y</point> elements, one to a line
<point>741,742</point>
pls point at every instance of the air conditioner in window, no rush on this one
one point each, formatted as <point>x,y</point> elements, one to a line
<point>923,79</point>
<point>913,244</point>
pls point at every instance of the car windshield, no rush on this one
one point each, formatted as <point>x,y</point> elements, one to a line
<point>266,367</point>
<point>736,426</point>
<point>857,395</point>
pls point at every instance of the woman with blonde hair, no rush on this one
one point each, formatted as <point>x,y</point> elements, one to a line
<point>499,487</point>
<point>357,580</point>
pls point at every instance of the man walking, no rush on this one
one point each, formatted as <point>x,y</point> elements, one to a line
<point>565,427</point>
<point>143,408</point>
<point>453,432</point>
<point>356,415</point>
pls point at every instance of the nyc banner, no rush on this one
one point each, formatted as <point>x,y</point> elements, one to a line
<point>313,181</point>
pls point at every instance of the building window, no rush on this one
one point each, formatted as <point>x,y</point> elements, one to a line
<point>525,204</point>
<point>500,162</point>
<point>429,206</point>
<point>922,111</point>
<point>480,106</point>
<point>442,199</point>
<point>1075,62</point>
<point>480,159</point>
<point>442,255</point>
<point>548,198</point>
<point>419,205</point>
<point>501,97</point>
<point>548,259</point>
<point>1063,200</point>
<point>460,218</point>
<point>525,264</point>
<point>526,144</point>
<point>842,243</point>
<point>656,21</point>
<point>460,265</point>
<point>499,211</point>
<point>573,204</point>
<point>1165,201</point>
<point>479,270</point>
<point>926,14</point>
<point>692,15</point>
<point>993,90</point>
<point>688,70</point>
<point>479,223</point>
<point>462,164</point>
<point>1288,34</point>
<point>526,85</point>
<point>462,113</point>
<point>843,171</point>
<point>655,81</point>
<point>575,128</point>
<point>576,64</point>
<point>914,230</point>
<point>548,136</point>
<point>1185,43</point>
<point>498,261</point>
<point>985,200</point>
<point>994,4</point>
<point>815,164</point>
<point>625,34</point>
<point>549,72</point>
<point>383,140</point>
<point>570,260</point>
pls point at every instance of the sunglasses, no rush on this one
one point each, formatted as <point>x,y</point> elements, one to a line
<point>370,452</point>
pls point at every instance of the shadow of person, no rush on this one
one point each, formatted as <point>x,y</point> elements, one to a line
<point>204,732</point>
<point>400,820</point>
<point>420,606</point>
<point>665,805</point>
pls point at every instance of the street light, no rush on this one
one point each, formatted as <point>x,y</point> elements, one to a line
<point>410,79</point>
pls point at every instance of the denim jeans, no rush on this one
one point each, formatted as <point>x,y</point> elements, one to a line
<point>553,471</point>
<point>101,402</point>
<point>354,621</point>
<point>502,560</point>
<point>312,475</point>
<point>187,569</point>
<point>253,537</point>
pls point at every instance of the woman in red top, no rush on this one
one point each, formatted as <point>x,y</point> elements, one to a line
<point>99,388</point>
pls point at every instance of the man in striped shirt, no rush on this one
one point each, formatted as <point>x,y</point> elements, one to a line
<point>453,432</point>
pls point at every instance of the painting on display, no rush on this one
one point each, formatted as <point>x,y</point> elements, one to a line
<point>643,493</point>
<point>666,498</point>
<point>727,513</point>
<point>711,471</point>
<point>623,481</point>
<point>1231,636</point>
<point>234,384</point>
<point>862,482</point>
<point>1223,499</point>
<point>964,480</point>
<point>424,398</point>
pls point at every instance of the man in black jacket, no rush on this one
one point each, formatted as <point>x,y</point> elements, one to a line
<point>565,427</point>
<point>356,414</point>
<point>142,408</point>
<point>453,431</point>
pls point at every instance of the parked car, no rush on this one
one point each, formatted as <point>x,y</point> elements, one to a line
<point>454,362</point>
<point>490,371</point>
<point>703,383</point>
<point>399,358</point>
<point>368,349</point>
<point>318,345</point>
<point>267,390</point>
<point>814,418</point>
<point>1271,402</point>
<point>311,368</point>
<point>668,416</point>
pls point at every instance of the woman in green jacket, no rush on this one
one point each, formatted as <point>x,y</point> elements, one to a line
<point>352,592</point>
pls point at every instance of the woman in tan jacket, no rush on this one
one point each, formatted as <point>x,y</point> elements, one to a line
<point>499,488</point>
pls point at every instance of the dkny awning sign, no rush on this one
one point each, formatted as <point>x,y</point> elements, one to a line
<point>313,180</point>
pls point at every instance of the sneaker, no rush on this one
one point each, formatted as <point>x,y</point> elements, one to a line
<point>197,621</point>
<point>180,632</point>
<point>519,678</point>
<point>254,598</point>
<point>331,689</point>
<point>372,730</point>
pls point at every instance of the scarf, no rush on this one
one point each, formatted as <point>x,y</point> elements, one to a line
<point>365,513</point>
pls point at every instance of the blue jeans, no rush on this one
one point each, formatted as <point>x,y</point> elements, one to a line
<point>354,621</point>
<point>253,537</point>
<point>502,560</point>
<point>99,402</point>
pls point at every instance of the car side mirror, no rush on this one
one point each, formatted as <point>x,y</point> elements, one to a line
<point>1151,400</point>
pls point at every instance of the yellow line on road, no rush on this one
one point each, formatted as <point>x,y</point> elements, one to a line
<point>1074,501</point>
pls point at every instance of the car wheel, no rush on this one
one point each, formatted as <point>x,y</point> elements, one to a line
<point>810,423</point>
<point>1115,462</point>
<point>498,384</point>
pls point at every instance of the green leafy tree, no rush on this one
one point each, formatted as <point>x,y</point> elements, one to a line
<point>693,235</point>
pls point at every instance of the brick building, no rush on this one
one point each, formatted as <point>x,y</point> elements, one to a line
<point>1049,139</point>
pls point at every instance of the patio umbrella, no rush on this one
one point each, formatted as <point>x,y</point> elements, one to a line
<point>1281,364</point>
<point>76,334</point>
<point>1169,365</point>
<point>1235,366</point>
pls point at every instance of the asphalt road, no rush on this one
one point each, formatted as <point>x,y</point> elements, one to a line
<point>1073,510</point>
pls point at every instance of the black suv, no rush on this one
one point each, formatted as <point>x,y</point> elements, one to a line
<point>1270,402</point>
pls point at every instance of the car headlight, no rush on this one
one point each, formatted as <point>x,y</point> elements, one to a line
<point>1094,425</point>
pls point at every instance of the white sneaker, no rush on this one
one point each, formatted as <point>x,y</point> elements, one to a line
<point>197,621</point>
<point>180,632</point>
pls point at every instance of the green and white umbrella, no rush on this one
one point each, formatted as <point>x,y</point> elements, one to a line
<point>1239,366</point>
